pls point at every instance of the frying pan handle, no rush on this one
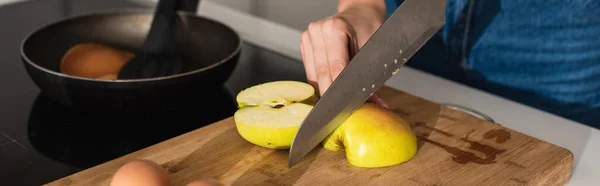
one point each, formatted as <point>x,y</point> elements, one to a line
<point>188,5</point>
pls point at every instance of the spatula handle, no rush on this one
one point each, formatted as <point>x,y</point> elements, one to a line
<point>159,37</point>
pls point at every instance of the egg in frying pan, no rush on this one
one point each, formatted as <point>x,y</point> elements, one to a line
<point>92,60</point>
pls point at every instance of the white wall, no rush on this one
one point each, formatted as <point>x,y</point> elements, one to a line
<point>296,14</point>
<point>293,13</point>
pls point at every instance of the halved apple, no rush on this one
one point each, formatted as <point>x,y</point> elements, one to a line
<point>270,114</point>
<point>373,137</point>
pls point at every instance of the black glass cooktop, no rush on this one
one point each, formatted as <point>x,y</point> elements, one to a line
<point>41,141</point>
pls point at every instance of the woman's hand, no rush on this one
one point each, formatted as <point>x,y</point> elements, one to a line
<point>328,44</point>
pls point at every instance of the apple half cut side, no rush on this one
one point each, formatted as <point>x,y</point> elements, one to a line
<point>270,114</point>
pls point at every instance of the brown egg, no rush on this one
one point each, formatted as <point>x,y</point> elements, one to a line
<point>140,173</point>
<point>93,60</point>
<point>204,183</point>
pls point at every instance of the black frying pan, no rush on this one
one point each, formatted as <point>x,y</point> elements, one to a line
<point>210,50</point>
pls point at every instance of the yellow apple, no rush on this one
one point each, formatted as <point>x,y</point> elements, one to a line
<point>373,137</point>
<point>270,114</point>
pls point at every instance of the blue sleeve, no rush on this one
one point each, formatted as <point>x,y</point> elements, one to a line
<point>391,6</point>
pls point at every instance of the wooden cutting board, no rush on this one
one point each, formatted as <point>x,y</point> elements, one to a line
<point>454,149</point>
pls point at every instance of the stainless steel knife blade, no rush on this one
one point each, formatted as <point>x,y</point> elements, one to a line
<point>398,39</point>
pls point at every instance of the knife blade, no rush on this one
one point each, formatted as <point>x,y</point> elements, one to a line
<point>412,24</point>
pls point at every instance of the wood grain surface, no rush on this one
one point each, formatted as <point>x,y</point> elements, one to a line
<point>454,149</point>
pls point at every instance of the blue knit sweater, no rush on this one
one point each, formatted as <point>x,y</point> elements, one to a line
<point>542,53</point>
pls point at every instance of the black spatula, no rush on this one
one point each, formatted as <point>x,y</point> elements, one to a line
<point>158,56</point>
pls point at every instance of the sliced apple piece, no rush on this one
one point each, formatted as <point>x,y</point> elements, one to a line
<point>373,137</point>
<point>270,114</point>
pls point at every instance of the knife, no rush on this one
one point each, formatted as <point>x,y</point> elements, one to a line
<point>412,24</point>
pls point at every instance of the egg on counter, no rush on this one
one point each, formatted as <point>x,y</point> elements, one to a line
<point>140,173</point>
<point>92,60</point>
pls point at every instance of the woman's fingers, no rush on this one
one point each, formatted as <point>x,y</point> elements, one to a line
<point>325,51</point>
<point>378,100</point>
<point>319,51</point>
<point>335,31</point>
<point>328,44</point>
<point>337,36</point>
<point>307,59</point>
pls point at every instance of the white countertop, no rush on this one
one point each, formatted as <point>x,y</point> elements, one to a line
<point>582,140</point>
